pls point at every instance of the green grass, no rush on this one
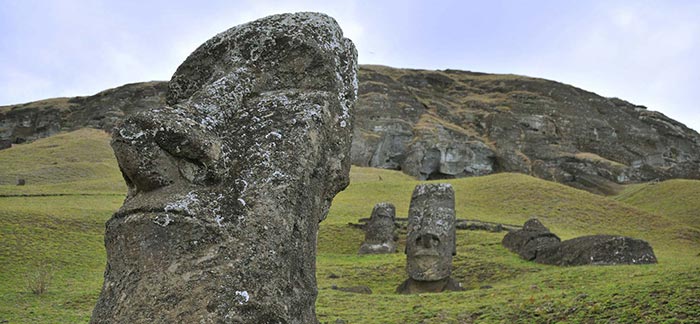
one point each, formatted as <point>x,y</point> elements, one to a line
<point>675,198</point>
<point>65,233</point>
<point>79,162</point>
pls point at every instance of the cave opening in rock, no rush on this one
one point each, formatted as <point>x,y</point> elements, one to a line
<point>439,176</point>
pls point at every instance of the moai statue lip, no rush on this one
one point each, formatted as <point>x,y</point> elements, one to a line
<point>431,243</point>
<point>379,231</point>
<point>229,180</point>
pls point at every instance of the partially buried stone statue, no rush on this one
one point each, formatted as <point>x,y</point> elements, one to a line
<point>430,242</point>
<point>533,239</point>
<point>229,180</point>
<point>379,231</point>
<point>536,243</point>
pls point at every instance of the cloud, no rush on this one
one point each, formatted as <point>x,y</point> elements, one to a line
<point>644,52</point>
<point>23,86</point>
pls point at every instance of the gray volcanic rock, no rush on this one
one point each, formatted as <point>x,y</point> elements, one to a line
<point>39,119</point>
<point>229,180</point>
<point>532,239</point>
<point>536,243</point>
<point>599,250</point>
<point>446,124</point>
<point>380,230</point>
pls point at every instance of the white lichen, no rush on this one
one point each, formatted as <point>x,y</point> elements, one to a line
<point>163,222</point>
<point>183,205</point>
<point>275,134</point>
<point>244,297</point>
<point>218,219</point>
<point>125,134</point>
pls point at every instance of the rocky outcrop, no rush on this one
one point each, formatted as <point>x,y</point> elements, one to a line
<point>534,242</point>
<point>39,119</point>
<point>229,179</point>
<point>447,124</point>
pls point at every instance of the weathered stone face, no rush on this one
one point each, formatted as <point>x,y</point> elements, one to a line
<point>430,242</point>
<point>379,231</point>
<point>229,180</point>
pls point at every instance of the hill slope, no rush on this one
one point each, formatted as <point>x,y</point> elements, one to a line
<point>449,124</point>
<point>78,162</point>
<point>64,235</point>
<point>676,198</point>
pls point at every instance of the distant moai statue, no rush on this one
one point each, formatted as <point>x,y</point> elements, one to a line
<point>380,230</point>
<point>228,181</point>
<point>21,182</point>
<point>430,242</point>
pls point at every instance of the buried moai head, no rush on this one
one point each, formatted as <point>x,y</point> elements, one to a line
<point>532,240</point>
<point>430,242</point>
<point>379,231</point>
<point>229,180</point>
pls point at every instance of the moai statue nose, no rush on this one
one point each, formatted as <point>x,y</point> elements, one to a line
<point>428,241</point>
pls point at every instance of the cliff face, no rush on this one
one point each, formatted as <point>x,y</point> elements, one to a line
<point>445,124</point>
<point>30,121</point>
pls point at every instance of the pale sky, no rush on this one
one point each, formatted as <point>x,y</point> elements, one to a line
<point>646,52</point>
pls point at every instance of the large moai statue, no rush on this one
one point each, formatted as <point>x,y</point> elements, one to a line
<point>430,242</point>
<point>380,230</point>
<point>230,178</point>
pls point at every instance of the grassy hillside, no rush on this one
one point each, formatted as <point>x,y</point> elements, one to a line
<point>62,235</point>
<point>79,162</point>
<point>676,198</point>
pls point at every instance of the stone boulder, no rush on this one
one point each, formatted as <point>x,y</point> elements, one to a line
<point>229,180</point>
<point>380,230</point>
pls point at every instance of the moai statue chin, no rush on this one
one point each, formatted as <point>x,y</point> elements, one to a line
<point>379,231</point>
<point>229,179</point>
<point>430,242</point>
